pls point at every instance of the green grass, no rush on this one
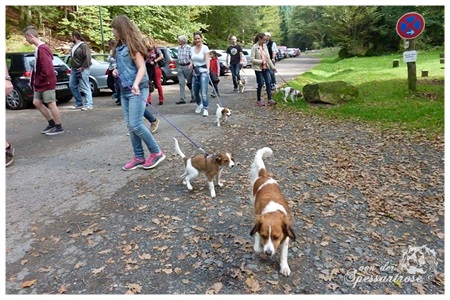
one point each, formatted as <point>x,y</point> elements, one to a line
<point>384,98</point>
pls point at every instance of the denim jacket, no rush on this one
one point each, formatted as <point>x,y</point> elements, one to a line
<point>127,68</point>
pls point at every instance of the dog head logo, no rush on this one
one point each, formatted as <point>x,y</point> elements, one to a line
<point>418,260</point>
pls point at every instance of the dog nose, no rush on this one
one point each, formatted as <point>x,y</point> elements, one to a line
<point>268,252</point>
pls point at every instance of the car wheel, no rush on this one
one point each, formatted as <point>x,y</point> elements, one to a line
<point>65,99</point>
<point>94,89</point>
<point>15,100</point>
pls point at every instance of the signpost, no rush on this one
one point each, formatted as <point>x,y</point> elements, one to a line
<point>410,26</point>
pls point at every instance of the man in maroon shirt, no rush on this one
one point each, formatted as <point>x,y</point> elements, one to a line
<point>43,81</point>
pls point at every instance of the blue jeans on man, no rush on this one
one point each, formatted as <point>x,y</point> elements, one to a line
<point>77,83</point>
<point>235,70</point>
<point>133,107</point>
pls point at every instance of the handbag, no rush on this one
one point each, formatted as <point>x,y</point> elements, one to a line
<point>162,63</point>
<point>151,86</point>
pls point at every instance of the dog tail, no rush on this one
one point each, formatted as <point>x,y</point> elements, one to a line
<point>258,166</point>
<point>178,150</point>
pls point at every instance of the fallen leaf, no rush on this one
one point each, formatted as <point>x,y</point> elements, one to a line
<point>28,283</point>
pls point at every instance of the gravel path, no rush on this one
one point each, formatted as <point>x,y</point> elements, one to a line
<point>359,195</point>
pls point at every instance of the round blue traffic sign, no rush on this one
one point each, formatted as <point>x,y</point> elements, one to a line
<point>410,25</point>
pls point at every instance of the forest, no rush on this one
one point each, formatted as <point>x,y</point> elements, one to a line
<point>357,30</point>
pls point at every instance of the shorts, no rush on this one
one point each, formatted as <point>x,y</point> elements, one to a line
<point>46,96</point>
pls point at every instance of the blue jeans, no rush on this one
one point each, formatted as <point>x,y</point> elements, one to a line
<point>235,70</point>
<point>149,116</point>
<point>200,88</point>
<point>273,81</point>
<point>76,83</point>
<point>261,77</point>
<point>133,107</point>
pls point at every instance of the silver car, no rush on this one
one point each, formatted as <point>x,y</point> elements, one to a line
<point>98,72</point>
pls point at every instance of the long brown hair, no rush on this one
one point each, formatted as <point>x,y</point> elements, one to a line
<point>130,35</point>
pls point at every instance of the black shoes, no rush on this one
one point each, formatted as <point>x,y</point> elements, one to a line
<point>180,102</point>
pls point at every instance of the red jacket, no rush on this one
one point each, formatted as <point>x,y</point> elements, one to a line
<point>43,77</point>
<point>214,65</point>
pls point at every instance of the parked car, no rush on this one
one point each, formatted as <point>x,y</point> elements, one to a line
<point>246,53</point>
<point>20,66</point>
<point>170,70</point>
<point>98,72</point>
<point>291,52</point>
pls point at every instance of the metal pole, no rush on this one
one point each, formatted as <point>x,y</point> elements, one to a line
<point>101,28</point>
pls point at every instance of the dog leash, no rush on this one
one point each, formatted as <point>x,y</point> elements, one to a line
<point>178,129</point>
<point>215,93</point>
<point>284,80</point>
<point>173,125</point>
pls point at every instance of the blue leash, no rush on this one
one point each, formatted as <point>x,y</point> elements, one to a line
<point>173,125</point>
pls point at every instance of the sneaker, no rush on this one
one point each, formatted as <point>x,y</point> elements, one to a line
<point>9,155</point>
<point>154,125</point>
<point>271,102</point>
<point>47,129</point>
<point>160,103</point>
<point>212,95</point>
<point>54,131</point>
<point>192,101</point>
<point>260,103</point>
<point>134,163</point>
<point>205,113</point>
<point>199,109</point>
<point>235,90</point>
<point>76,107</point>
<point>87,108</point>
<point>154,160</point>
<point>180,102</point>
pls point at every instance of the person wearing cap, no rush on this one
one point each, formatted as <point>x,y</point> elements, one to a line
<point>235,59</point>
<point>272,47</point>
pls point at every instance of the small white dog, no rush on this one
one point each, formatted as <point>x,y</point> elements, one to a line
<point>241,85</point>
<point>222,114</point>
<point>212,165</point>
<point>290,92</point>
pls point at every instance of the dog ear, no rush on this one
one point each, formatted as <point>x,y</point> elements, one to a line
<point>288,230</point>
<point>256,228</point>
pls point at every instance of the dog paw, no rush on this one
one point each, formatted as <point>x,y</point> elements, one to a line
<point>220,184</point>
<point>213,194</point>
<point>257,248</point>
<point>284,269</point>
<point>189,187</point>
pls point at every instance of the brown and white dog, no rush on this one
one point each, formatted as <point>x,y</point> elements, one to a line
<point>290,92</point>
<point>212,165</point>
<point>241,84</point>
<point>222,114</point>
<point>273,221</point>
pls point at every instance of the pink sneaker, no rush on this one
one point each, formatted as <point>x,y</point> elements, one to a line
<point>271,102</point>
<point>154,160</point>
<point>134,163</point>
<point>260,103</point>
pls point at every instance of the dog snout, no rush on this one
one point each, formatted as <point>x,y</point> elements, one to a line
<point>232,164</point>
<point>268,252</point>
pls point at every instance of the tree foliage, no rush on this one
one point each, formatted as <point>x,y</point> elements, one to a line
<point>358,30</point>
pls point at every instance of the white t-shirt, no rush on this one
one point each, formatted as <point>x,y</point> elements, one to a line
<point>198,59</point>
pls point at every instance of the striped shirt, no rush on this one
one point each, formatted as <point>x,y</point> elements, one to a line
<point>184,54</point>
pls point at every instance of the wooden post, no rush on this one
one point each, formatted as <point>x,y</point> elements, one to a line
<point>395,63</point>
<point>412,71</point>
